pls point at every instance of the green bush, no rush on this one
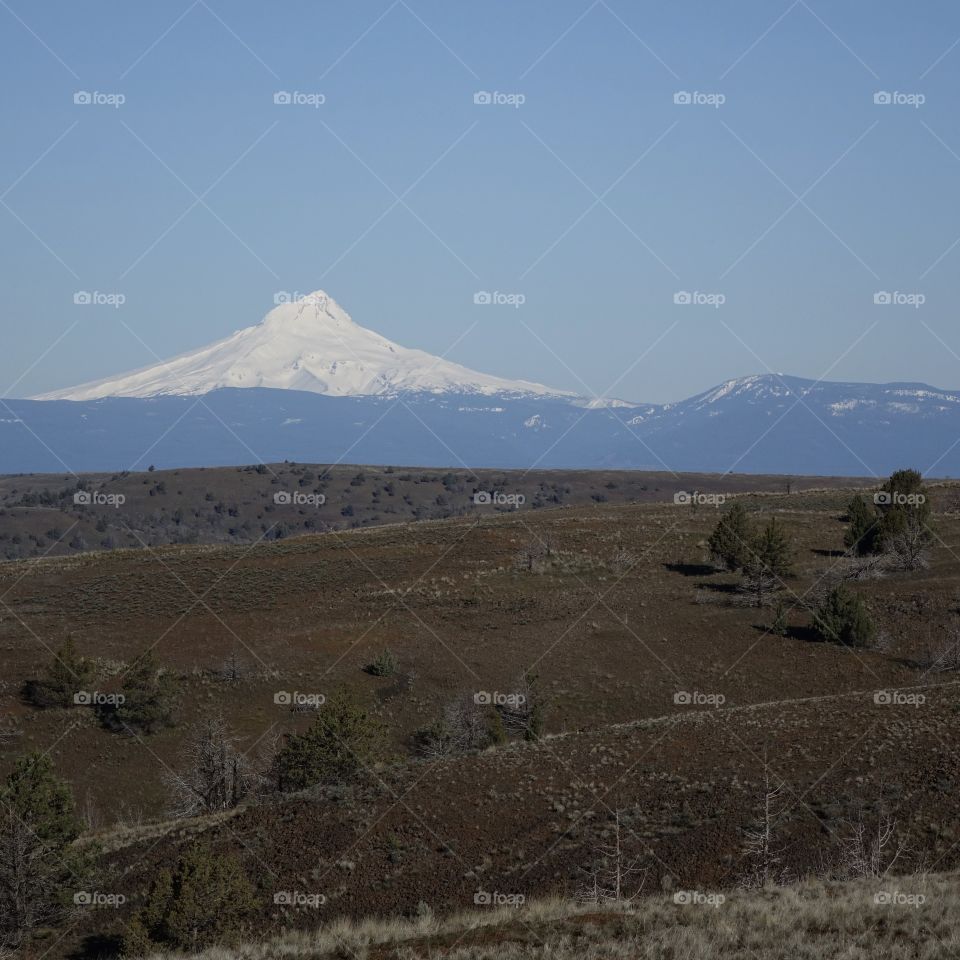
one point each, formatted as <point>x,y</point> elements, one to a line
<point>769,561</point>
<point>385,665</point>
<point>844,618</point>
<point>341,741</point>
<point>205,900</point>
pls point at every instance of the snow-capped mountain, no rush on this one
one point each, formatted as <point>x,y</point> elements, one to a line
<point>311,345</point>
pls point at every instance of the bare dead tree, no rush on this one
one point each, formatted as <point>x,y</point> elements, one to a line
<point>763,846</point>
<point>216,775</point>
<point>613,880</point>
<point>907,547</point>
<point>871,850</point>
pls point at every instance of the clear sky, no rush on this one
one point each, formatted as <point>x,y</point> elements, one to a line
<point>597,199</point>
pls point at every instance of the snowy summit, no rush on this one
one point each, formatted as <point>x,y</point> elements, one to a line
<point>310,344</point>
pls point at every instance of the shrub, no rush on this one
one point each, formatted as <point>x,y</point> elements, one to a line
<point>342,739</point>
<point>730,541</point>
<point>385,665</point>
<point>844,618</point>
<point>205,900</point>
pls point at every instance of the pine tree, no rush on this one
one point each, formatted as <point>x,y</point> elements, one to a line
<point>38,826</point>
<point>906,525</point>
<point>729,543</point>
<point>844,618</point>
<point>343,739</point>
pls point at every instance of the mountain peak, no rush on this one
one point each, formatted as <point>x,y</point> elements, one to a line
<point>310,344</point>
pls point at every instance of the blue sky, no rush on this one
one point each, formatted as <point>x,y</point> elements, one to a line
<point>598,199</point>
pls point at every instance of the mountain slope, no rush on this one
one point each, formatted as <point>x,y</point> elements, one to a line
<point>309,345</point>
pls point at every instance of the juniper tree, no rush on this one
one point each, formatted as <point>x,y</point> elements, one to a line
<point>342,739</point>
<point>843,617</point>
<point>38,865</point>
<point>730,541</point>
<point>769,561</point>
<point>66,675</point>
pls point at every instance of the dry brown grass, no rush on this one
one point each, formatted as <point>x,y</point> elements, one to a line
<point>809,921</point>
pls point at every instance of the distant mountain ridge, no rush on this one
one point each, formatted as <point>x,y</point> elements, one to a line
<point>308,383</point>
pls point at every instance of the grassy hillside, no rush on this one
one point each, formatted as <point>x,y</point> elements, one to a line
<point>900,918</point>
